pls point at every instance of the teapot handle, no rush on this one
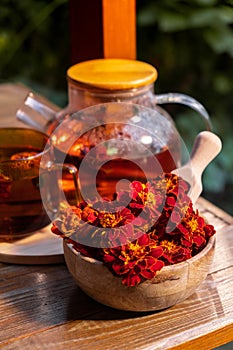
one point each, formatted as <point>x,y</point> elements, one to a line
<point>187,101</point>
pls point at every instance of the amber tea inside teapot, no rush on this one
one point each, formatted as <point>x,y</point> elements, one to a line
<point>113,144</point>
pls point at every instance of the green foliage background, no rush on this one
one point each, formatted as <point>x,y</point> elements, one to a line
<point>190,42</point>
<point>34,45</point>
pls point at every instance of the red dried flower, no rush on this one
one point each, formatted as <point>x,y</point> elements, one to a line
<point>174,253</point>
<point>135,261</point>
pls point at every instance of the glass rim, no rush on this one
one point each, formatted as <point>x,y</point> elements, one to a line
<point>27,134</point>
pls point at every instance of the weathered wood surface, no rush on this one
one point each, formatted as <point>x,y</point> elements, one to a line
<point>41,307</point>
<point>12,97</point>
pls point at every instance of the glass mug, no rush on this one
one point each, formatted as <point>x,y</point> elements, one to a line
<point>21,208</point>
<point>103,81</point>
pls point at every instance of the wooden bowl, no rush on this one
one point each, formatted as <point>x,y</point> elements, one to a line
<point>170,286</point>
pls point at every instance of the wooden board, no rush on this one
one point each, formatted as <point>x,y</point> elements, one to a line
<point>42,247</point>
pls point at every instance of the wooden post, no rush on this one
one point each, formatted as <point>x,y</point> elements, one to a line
<point>119,29</point>
<point>102,29</point>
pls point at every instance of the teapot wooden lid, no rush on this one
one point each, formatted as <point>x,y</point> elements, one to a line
<point>113,74</point>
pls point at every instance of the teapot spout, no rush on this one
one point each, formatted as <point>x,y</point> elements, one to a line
<point>35,113</point>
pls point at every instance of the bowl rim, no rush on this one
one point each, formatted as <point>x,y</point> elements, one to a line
<point>203,252</point>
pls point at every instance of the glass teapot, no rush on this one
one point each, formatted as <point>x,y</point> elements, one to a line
<point>113,144</point>
<point>101,81</point>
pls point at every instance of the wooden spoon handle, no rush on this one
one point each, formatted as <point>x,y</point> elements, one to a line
<point>206,147</point>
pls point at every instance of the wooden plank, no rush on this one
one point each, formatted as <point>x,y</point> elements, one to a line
<point>218,213</point>
<point>211,341</point>
<point>60,314</point>
<point>12,97</point>
<point>119,29</point>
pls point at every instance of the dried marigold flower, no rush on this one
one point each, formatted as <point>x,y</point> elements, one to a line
<point>135,261</point>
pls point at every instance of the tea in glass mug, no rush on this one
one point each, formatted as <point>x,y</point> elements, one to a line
<point>21,209</point>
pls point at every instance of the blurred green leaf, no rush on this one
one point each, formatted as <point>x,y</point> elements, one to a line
<point>220,39</point>
<point>214,178</point>
<point>206,2</point>
<point>211,16</point>
<point>223,84</point>
<point>172,21</point>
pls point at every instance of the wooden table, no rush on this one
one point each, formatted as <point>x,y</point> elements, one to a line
<point>42,308</point>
